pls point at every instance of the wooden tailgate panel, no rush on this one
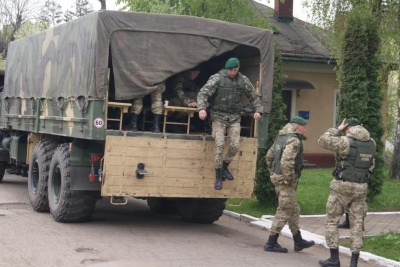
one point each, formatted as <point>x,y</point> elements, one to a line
<point>177,168</point>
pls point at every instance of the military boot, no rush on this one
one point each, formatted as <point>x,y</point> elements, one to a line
<point>273,246</point>
<point>218,179</point>
<point>156,123</point>
<point>345,224</point>
<point>226,173</point>
<point>132,126</point>
<point>354,259</point>
<point>333,261</point>
<point>300,243</point>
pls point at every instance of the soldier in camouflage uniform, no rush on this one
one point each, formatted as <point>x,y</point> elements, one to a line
<point>156,108</point>
<point>223,91</point>
<point>285,162</point>
<point>184,89</point>
<point>355,163</point>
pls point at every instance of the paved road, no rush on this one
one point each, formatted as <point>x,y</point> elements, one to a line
<point>132,235</point>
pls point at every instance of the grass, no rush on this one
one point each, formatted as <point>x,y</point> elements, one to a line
<point>386,245</point>
<point>312,194</point>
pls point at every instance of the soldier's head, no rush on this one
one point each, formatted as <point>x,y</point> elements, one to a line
<point>232,66</point>
<point>299,124</point>
<point>350,123</point>
<point>194,72</point>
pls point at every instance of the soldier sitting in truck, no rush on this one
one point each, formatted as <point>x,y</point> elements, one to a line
<point>156,108</point>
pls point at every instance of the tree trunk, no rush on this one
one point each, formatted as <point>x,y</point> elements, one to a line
<point>103,4</point>
<point>395,166</point>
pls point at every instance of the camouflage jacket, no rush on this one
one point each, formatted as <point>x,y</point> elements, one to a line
<point>292,148</point>
<point>333,141</point>
<point>210,88</point>
<point>181,84</point>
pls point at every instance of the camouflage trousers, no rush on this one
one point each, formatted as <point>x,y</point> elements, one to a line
<point>219,129</point>
<point>288,210</point>
<point>156,102</point>
<point>335,207</point>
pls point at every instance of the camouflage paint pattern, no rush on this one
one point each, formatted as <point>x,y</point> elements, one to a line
<point>219,128</point>
<point>184,91</point>
<point>156,102</point>
<point>80,118</point>
<point>288,210</point>
<point>347,196</point>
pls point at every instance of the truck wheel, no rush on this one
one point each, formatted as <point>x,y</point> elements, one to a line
<point>38,175</point>
<point>165,206</point>
<point>67,205</point>
<point>201,210</point>
<point>2,170</point>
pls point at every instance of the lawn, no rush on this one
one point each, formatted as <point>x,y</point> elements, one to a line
<point>312,194</point>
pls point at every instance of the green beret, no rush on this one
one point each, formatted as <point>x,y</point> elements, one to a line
<point>298,120</point>
<point>352,122</point>
<point>232,63</point>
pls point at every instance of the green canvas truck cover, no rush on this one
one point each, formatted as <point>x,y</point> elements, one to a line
<point>72,60</point>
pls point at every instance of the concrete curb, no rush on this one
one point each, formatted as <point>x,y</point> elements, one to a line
<point>265,223</point>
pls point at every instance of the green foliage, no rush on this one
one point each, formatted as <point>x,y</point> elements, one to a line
<point>312,195</point>
<point>238,11</point>
<point>264,189</point>
<point>29,28</point>
<point>385,245</point>
<point>358,75</point>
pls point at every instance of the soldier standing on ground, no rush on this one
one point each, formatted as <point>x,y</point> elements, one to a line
<point>224,89</point>
<point>285,162</point>
<point>349,188</point>
<point>156,108</point>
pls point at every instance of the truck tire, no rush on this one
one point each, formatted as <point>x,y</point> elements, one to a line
<point>38,174</point>
<point>66,205</point>
<point>201,210</point>
<point>2,169</point>
<point>166,206</point>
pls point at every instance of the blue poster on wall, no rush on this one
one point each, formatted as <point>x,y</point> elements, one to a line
<point>304,114</point>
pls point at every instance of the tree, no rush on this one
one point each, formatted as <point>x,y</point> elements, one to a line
<point>103,4</point>
<point>51,13</point>
<point>264,190</point>
<point>81,8</point>
<point>13,14</point>
<point>238,11</point>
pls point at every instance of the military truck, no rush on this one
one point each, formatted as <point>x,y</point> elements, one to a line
<point>64,86</point>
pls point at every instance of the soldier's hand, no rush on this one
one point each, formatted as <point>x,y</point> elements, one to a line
<point>192,104</point>
<point>257,116</point>
<point>202,114</point>
<point>342,126</point>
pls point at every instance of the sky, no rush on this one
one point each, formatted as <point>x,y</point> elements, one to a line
<point>298,10</point>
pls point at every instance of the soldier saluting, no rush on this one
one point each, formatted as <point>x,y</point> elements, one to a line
<point>349,188</point>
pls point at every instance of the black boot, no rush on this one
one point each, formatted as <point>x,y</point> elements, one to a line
<point>132,126</point>
<point>156,123</point>
<point>273,246</point>
<point>354,259</point>
<point>333,261</point>
<point>345,224</point>
<point>226,173</point>
<point>300,243</point>
<point>218,179</point>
